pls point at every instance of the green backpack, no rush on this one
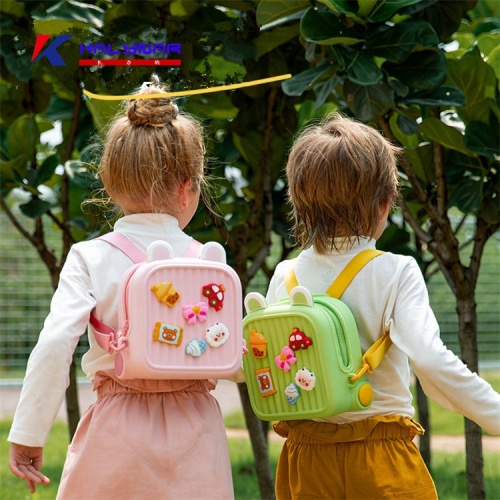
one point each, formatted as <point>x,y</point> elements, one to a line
<point>304,358</point>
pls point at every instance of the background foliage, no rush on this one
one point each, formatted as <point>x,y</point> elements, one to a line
<point>426,73</point>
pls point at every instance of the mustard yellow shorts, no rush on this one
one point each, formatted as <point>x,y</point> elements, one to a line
<point>370,459</point>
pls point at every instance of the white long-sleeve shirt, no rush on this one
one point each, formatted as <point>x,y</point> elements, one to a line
<point>89,279</point>
<point>390,292</point>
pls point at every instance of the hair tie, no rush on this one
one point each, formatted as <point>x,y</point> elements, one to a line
<point>175,109</point>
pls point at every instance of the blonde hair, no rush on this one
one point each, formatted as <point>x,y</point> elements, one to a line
<point>149,152</point>
<point>340,172</point>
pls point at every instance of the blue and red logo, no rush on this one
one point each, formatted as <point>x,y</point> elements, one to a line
<point>141,49</point>
<point>50,52</point>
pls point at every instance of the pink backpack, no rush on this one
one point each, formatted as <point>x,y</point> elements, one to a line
<point>179,318</point>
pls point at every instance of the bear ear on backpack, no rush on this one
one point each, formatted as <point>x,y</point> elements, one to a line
<point>301,296</point>
<point>159,250</point>
<point>213,251</point>
<point>254,301</point>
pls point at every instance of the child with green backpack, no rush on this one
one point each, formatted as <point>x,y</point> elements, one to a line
<point>342,181</point>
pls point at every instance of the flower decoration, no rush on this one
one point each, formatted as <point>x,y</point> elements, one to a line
<point>285,358</point>
<point>196,312</point>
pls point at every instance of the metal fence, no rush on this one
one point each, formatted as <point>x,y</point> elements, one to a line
<point>26,290</point>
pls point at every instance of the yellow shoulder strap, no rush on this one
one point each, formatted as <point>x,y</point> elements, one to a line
<point>374,355</point>
<point>290,278</point>
<point>343,280</point>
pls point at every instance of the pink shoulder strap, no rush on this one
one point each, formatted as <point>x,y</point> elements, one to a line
<point>105,335</point>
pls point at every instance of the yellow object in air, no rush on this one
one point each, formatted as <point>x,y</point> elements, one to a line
<point>183,93</point>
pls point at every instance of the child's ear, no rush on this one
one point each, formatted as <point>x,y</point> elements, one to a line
<point>183,191</point>
<point>384,209</point>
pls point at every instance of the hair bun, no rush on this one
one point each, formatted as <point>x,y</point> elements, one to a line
<point>154,112</point>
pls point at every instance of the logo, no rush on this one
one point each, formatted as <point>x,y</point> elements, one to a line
<point>50,52</point>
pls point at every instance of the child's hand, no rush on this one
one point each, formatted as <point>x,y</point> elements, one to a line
<point>25,462</point>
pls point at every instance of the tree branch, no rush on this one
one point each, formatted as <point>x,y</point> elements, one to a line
<point>421,234</point>
<point>483,233</point>
<point>67,239</point>
<point>266,198</point>
<point>415,183</point>
<point>442,193</point>
<point>15,222</point>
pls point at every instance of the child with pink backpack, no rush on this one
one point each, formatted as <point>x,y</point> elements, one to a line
<point>148,435</point>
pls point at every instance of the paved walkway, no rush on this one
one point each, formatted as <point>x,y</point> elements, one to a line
<point>229,399</point>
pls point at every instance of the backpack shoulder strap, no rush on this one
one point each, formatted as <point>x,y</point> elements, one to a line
<point>290,278</point>
<point>343,280</point>
<point>357,263</point>
<point>374,355</point>
<point>121,242</point>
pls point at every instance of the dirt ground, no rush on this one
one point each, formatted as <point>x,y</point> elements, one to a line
<point>229,399</point>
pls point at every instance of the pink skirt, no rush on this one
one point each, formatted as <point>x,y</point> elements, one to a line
<point>149,439</point>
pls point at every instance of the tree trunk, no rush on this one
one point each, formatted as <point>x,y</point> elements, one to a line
<point>424,420</point>
<point>467,318</point>
<point>258,438</point>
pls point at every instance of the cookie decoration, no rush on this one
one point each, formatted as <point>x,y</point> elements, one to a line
<point>168,334</point>
<point>265,382</point>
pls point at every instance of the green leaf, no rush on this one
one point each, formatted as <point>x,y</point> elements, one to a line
<point>102,111</point>
<point>396,43</point>
<point>488,42</point>
<point>54,27</point>
<point>459,166</point>
<point>407,125</point>
<point>477,80</point>
<point>301,82</point>
<point>449,137</point>
<point>324,90</point>
<point>442,96</point>
<point>468,195</point>
<point>421,70</point>
<point>35,207</point>
<point>342,6</point>
<point>385,9</point>
<point>494,62</point>
<point>12,8</point>
<point>367,102</point>
<point>271,10</point>
<point>10,173</point>
<point>325,28</point>
<point>22,137</point>
<point>482,139</point>
<point>19,64</point>
<point>269,40</point>
<point>220,68</point>
<point>422,162</point>
<point>79,175</point>
<point>70,10</point>
<point>360,66</point>
<point>47,169</point>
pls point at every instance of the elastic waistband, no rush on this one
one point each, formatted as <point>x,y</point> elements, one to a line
<point>105,385</point>
<point>311,432</point>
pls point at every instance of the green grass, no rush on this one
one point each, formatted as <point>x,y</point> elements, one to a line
<point>448,469</point>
